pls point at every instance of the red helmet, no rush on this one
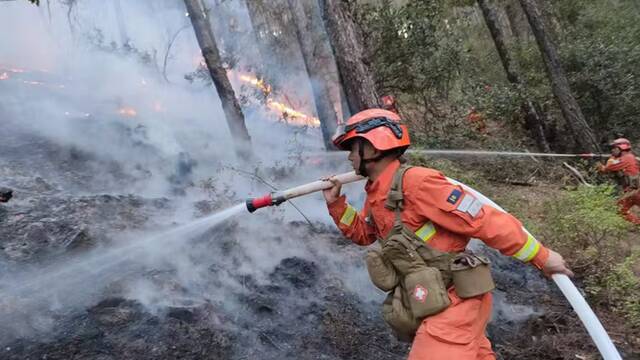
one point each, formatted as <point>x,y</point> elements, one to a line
<point>622,144</point>
<point>380,127</point>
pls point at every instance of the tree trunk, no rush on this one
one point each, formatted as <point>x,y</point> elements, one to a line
<point>230,105</point>
<point>311,53</point>
<point>533,120</point>
<point>276,39</point>
<point>269,64</point>
<point>346,40</point>
<point>517,22</point>
<point>124,37</point>
<point>571,111</point>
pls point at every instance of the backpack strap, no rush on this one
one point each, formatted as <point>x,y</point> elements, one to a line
<point>395,197</point>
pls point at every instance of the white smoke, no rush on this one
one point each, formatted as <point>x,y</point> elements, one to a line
<point>88,85</point>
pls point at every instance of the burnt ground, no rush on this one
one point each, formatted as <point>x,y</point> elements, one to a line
<point>303,306</point>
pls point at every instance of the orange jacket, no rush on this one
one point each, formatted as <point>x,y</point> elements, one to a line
<point>626,163</point>
<point>440,213</point>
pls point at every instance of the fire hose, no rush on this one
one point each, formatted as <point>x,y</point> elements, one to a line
<point>483,153</point>
<point>580,306</point>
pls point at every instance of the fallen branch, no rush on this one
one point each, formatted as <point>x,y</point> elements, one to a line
<point>577,174</point>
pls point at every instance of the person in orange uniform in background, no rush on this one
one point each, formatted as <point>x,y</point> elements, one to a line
<point>477,120</point>
<point>389,103</point>
<point>624,163</point>
<point>376,140</point>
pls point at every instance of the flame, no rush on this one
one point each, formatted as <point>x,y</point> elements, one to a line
<point>127,111</point>
<point>293,116</point>
<point>4,76</point>
<point>258,83</point>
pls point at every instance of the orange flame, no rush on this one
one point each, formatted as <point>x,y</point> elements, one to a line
<point>293,116</point>
<point>258,83</point>
<point>127,111</point>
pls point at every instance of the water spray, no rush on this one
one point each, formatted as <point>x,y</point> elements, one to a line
<point>581,307</point>
<point>507,153</point>
<point>484,153</point>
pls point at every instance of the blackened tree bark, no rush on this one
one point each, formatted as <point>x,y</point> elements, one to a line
<point>230,105</point>
<point>346,41</point>
<point>571,111</point>
<point>532,117</point>
<point>122,29</point>
<point>311,53</point>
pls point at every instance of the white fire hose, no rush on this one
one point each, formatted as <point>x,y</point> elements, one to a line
<point>585,313</point>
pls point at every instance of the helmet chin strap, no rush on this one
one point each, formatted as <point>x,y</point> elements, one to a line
<point>362,169</point>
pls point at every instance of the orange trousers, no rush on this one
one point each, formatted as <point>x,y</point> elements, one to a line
<point>629,200</point>
<point>456,333</point>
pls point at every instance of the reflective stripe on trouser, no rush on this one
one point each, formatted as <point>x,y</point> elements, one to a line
<point>529,250</point>
<point>348,216</point>
<point>456,333</point>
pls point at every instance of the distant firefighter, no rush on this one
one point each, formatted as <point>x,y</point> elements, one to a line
<point>389,103</point>
<point>476,119</point>
<point>624,165</point>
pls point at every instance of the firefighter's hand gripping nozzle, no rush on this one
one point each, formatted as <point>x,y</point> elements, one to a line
<point>278,198</point>
<point>272,199</point>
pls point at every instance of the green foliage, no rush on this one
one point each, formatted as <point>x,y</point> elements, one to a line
<point>416,52</point>
<point>412,46</point>
<point>624,289</point>
<point>600,48</point>
<point>587,216</point>
<point>449,169</point>
<point>585,226</point>
<point>599,42</point>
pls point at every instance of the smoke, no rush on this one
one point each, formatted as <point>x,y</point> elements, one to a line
<point>79,94</point>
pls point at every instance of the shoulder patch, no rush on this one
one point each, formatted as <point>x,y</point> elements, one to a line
<point>470,205</point>
<point>454,196</point>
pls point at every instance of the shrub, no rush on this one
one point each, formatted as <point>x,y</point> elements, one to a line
<point>584,225</point>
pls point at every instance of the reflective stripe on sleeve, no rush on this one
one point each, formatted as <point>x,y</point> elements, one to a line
<point>426,231</point>
<point>529,250</point>
<point>348,216</point>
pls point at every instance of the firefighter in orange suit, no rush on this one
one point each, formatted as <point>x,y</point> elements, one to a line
<point>376,140</point>
<point>624,163</point>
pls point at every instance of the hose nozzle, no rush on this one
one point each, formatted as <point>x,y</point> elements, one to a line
<point>271,199</point>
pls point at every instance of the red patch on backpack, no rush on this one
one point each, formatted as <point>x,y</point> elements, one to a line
<point>420,293</point>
